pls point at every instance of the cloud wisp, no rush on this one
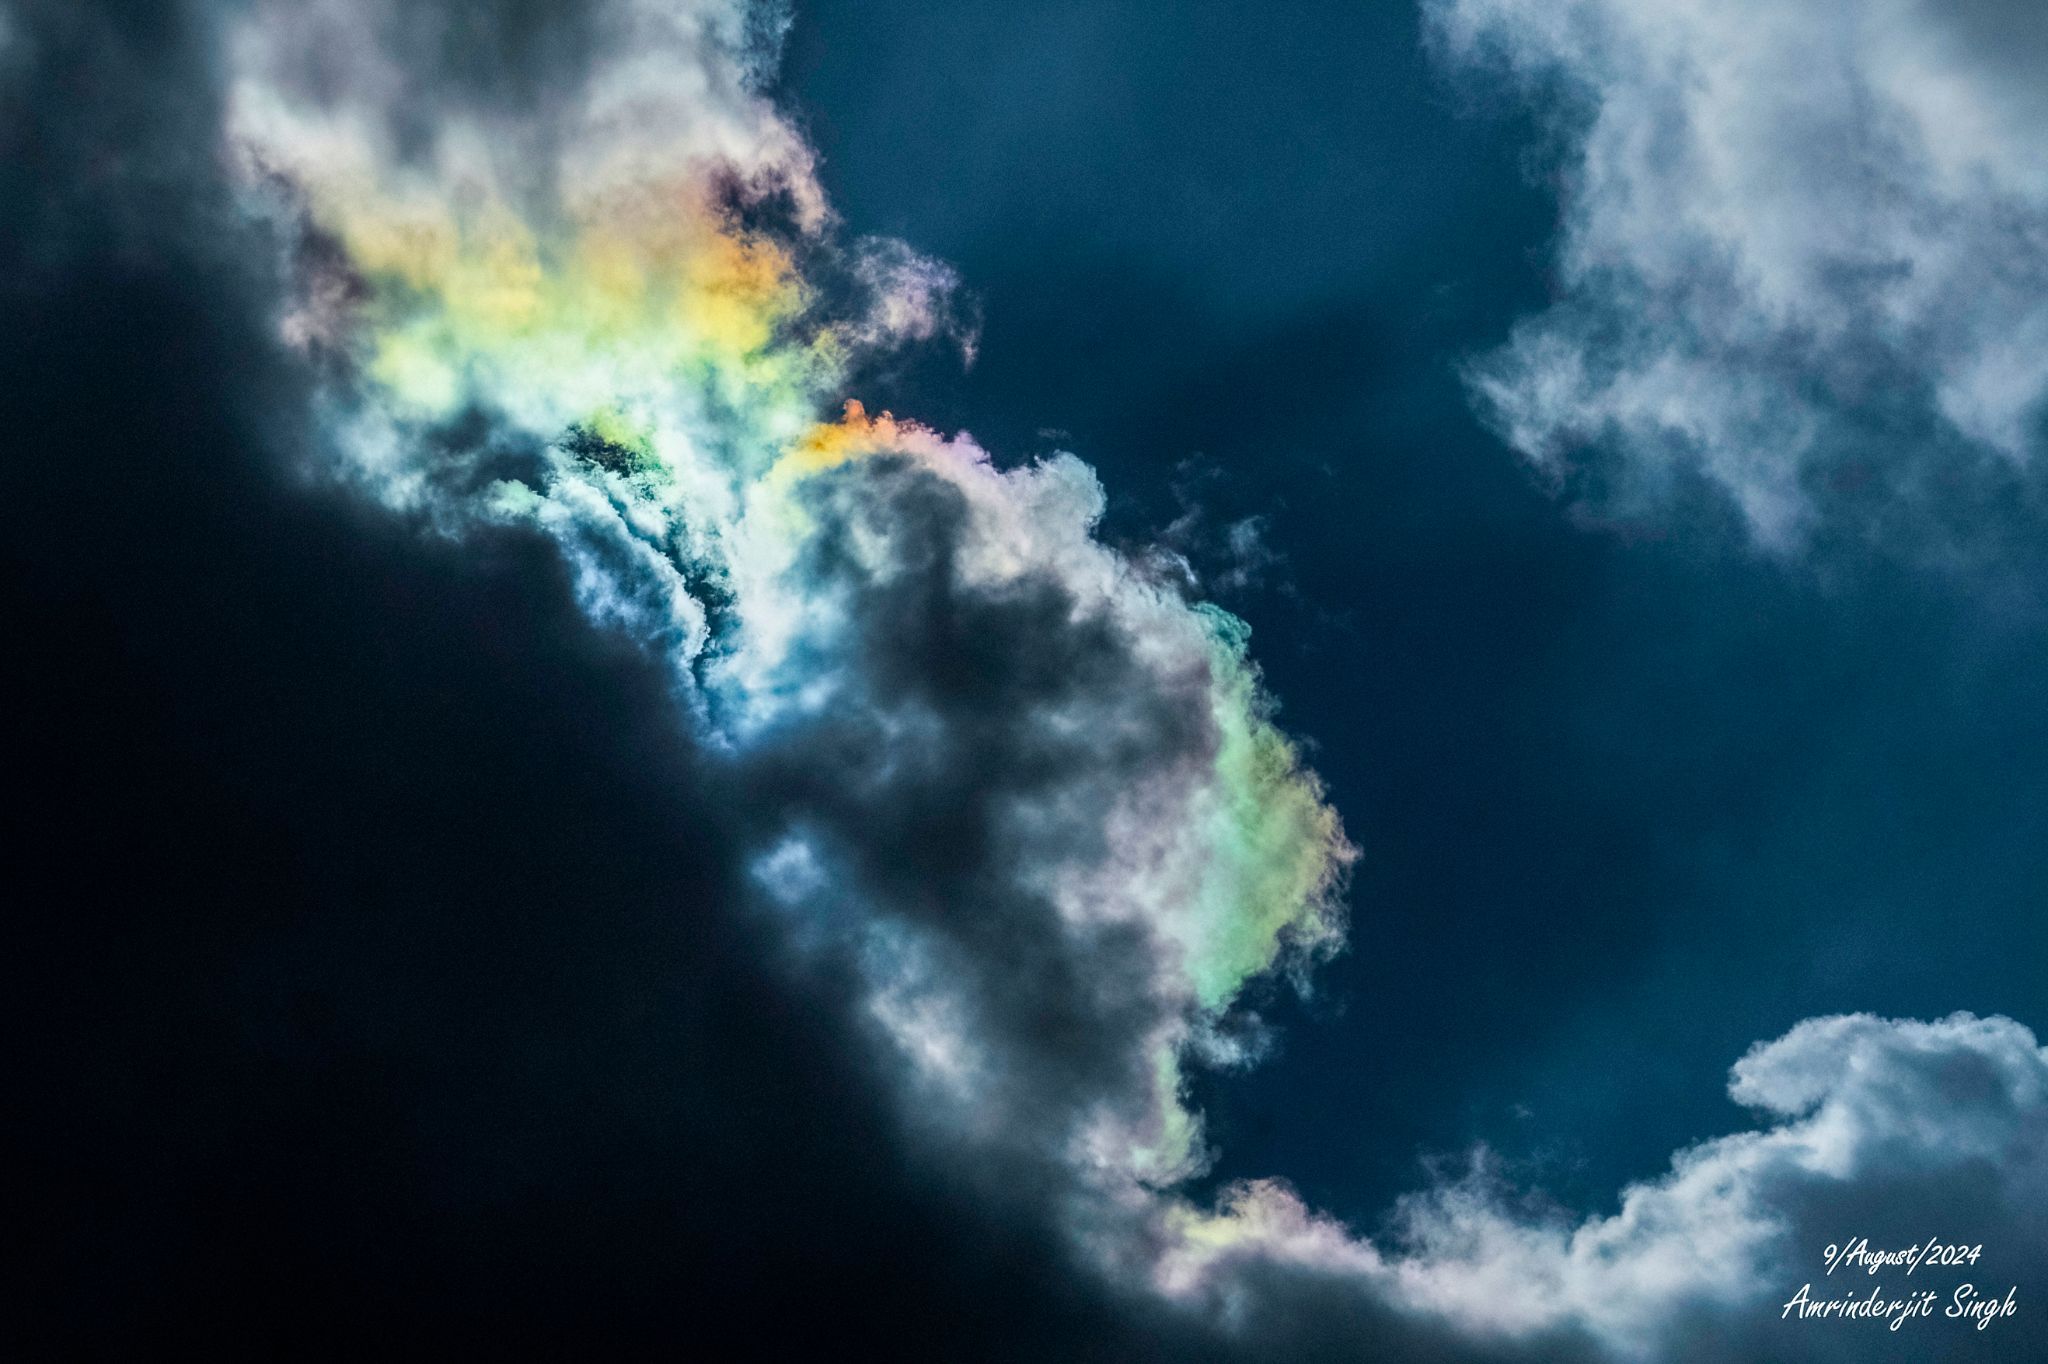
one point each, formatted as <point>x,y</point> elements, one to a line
<point>1803,261</point>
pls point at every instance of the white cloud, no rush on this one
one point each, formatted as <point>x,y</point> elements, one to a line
<point>1874,1127</point>
<point>1805,243</point>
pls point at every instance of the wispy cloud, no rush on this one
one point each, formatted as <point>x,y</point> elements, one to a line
<point>1804,254</point>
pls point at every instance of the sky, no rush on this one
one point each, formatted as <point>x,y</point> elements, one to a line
<point>1404,725</point>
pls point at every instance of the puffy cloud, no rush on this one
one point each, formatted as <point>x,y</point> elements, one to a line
<point>1059,824</point>
<point>1891,1130</point>
<point>1804,251</point>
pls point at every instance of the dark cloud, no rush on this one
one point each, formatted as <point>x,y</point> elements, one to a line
<point>377,969</point>
<point>390,972</point>
<point>1017,698</point>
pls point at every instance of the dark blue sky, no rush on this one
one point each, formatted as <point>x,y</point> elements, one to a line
<point>1628,800</point>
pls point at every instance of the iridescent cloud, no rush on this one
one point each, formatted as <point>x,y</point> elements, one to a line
<point>618,314</point>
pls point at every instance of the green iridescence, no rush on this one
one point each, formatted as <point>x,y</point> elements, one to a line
<point>1278,850</point>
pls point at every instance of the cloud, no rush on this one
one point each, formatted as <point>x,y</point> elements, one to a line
<point>1804,254</point>
<point>389,954</point>
<point>1051,806</point>
<point>1013,805</point>
<point>1891,1130</point>
<point>1027,792</point>
<point>1009,783</point>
